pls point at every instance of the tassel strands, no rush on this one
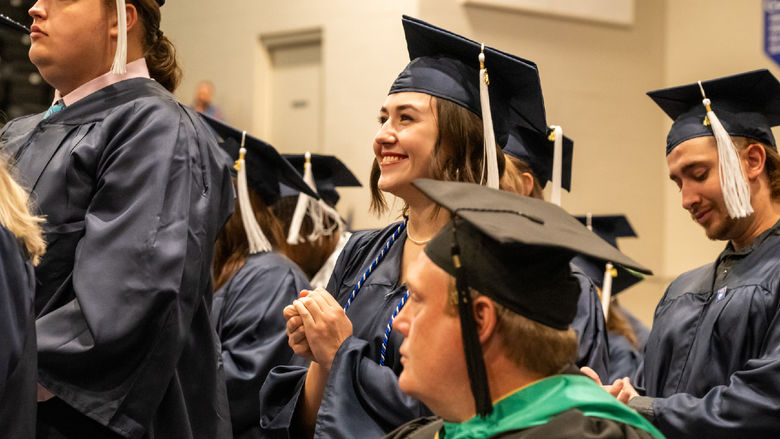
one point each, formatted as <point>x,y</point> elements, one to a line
<point>557,176</point>
<point>119,67</point>
<point>606,290</point>
<point>489,156</point>
<point>258,242</point>
<point>736,192</point>
<point>317,210</point>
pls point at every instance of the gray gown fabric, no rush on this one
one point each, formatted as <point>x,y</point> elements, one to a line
<point>18,357</point>
<point>133,197</point>
<point>712,362</point>
<point>247,315</point>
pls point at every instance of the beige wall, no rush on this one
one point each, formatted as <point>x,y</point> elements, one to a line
<point>363,49</point>
<point>594,78</point>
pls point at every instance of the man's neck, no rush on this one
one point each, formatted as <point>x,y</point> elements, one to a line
<point>763,218</point>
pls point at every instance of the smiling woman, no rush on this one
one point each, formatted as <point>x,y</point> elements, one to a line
<point>431,126</point>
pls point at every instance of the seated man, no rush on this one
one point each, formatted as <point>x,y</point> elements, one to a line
<point>496,284</point>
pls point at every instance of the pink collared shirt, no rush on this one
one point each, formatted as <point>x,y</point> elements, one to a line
<point>135,69</point>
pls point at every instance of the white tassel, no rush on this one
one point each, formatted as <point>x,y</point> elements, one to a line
<point>736,192</point>
<point>489,155</point>
<point>606,289</point>
<point>254,234</point>
<point>120,58</point>
<point>317,210</point>
<point>302,206</point>
<point>589,221</point>
<point>557,174</point>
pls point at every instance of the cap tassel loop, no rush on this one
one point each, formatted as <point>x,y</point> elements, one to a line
<point>317,210</point>
<point>119,67</point>
<point>736,192</point>
<point>489,156</point>
<point>471,345</point>
<point>606,290</point>
<point>254,234</point>
<point>557,176</point>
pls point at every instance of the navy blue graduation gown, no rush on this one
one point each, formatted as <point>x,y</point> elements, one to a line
<point>247,314</point>
<point>133,197</point>
<point>361,399</point>
<point>712,362</point>
<point>624,359</point>
<point>18,356</point>
<point>593,350</point>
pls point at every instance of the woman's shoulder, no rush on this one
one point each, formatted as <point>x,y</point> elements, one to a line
<point>363,240</point>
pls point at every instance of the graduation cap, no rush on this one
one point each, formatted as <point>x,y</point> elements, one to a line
<point>260,167</point>
<point>515,250</point>
<point>9,23</point>
<point>329,173</point>
<point>452,67</point>
<point>747,105</point>
<point>609,228</point>
<point>538,151</point>
<point>119,65</point>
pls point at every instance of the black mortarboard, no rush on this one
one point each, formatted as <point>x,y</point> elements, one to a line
<point>747,104</point>
<point>329,172</point>
<point>446,65</point>
<point>609,228</point>
<point>536,150</point>
<point>8,23</point>
<point>266,168</point>
<point>515,250</point>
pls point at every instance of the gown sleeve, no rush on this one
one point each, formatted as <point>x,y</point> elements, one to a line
<point>138,273</point>
<point>362,396</point>
<point>283,387</point>
<point>17,350</point>
<point>252,331</point>
<point>745,407</point>
<point>590,327</point>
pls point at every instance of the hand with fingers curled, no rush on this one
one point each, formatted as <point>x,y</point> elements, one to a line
<point>296,335</point>
<point>317,326</point>
<point>621,388</point>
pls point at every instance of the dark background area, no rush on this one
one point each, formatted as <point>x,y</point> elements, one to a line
<point>22,90</point>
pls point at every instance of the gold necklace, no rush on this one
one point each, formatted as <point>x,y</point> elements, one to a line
<point>418,242</point>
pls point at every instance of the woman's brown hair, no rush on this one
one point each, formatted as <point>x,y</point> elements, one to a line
<point>232,247</point>
<point>457,154</point>
<point>158,49</point>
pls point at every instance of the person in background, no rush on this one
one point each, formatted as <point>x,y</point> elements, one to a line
<point>321,233</point>
<point>204,101</point>
<point>624,342</point>
<point>530,166</point>
<point>712,361</point>
<point>21,247</point>
<point>254,281</point>
<point>488,345</point>
<point>430,125</point>
<point>133,196</point>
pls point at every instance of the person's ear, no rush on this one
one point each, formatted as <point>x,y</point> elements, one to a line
<point>132,16</point>
<point>754,160</point>
<point>485,317</point>
<point>528,183</point>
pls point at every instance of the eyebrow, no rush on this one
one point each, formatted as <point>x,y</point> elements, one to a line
<point>401,107</point>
